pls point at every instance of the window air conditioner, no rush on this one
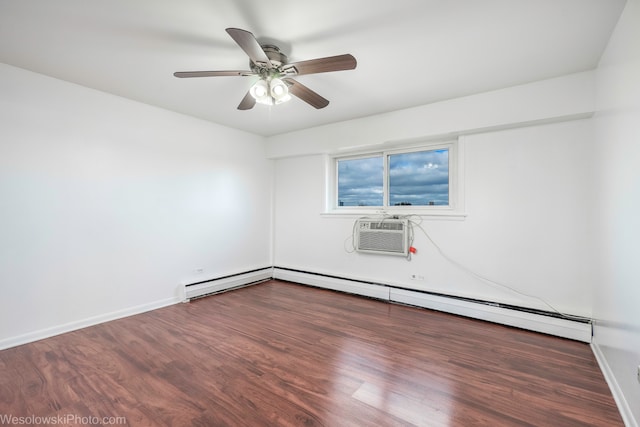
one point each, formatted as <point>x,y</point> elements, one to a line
<point>382,236</point>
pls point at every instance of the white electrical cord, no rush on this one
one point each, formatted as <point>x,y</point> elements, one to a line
<point>486,279</point>
<point>418,224</point>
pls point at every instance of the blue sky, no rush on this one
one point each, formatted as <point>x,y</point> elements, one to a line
<point>416,178</point>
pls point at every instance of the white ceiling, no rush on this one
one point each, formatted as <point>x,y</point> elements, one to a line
<point>409,52</point>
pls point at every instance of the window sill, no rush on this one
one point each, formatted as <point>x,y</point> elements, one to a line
<point>448,214</point>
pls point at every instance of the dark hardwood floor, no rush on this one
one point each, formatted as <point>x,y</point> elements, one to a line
<point>280,354</point>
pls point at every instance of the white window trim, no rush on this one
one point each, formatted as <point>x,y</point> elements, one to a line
<point>454,211</point>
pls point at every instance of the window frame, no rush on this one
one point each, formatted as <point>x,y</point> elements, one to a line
<point>455,208</point>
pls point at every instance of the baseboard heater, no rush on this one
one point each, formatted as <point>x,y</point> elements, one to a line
<point>576,328</point>
<point>215,285</point>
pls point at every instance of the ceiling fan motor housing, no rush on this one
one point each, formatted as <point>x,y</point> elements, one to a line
<point>277,58</point>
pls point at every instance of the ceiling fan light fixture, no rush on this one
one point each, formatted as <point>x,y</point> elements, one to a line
<point>278,88</point>
<point>260,91</point>
<point>282,99</point>
<point>279,91</point>
<point>270,91</point>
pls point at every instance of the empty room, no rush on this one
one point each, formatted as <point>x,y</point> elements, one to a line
<point>337,213</point>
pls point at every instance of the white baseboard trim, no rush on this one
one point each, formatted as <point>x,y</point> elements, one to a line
<point>565,328</point>
<point>83,323</point>
<point>616,391</point>
<point>216,285</point>
<point>336,284</point>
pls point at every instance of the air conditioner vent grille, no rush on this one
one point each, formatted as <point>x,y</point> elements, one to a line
<point>385,236</point>
<point>381,242</point>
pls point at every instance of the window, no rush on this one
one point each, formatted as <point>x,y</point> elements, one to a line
<point>360,181</point>
<point>422,178</point>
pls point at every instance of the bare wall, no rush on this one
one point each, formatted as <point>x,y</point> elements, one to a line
<point>107,205</point>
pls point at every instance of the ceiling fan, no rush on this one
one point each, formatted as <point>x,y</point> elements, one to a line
<point>276,83</point>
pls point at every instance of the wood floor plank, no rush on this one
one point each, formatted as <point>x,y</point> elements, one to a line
<point>280,354</point>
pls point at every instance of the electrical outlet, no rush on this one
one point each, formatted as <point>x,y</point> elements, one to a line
<point>638,373</point>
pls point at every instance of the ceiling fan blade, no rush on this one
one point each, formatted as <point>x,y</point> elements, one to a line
<point>324,65</point>
<point>250,45</point>
<point>183,74</point>
<point>307,95</point>
<point>247,102</point>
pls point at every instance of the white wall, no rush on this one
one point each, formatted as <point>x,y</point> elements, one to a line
<point>553,99</point>
<point>617,294</point>
<point>528,198</point>
<point>106,205</point>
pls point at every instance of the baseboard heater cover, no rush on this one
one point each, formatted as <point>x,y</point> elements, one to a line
<point>368,289</point>
<point>524,318</point>
<point>224,283</point>
<point>576,330</point>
